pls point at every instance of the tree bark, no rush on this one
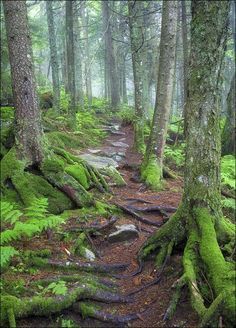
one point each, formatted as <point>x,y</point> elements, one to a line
<point>28,130</point>
<point>53,56</point>
<point>70,47</point>
<point>78,57</point>
<point>88,80</point>
<point>185,53</point>
<point>137,40</point>
<point>153,163</point>
<point>110,62</point>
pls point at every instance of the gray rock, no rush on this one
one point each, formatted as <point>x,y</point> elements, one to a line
<point>94,151</point>
<point>98,162</point>
<point>89,255</point>
<point>125,232</point>
<point>119,144</point>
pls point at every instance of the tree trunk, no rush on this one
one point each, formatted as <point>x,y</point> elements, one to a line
<point>88,81</point>
<point>53,56</point>
<point>78,58</point>
<point>136,40</point>
<point>28,130</point>
<point>185,54</point>
<point>110,62</point>
<point>198,221</point>
<point>228,135</point>
<point>71,62</point>
<point>153,162</point>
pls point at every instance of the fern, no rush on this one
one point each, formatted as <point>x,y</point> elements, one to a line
<point>7,252</point>
<point>228,171</point>
<point>228,203</point>
<point>175,155</point>
<point>36,220</point>
<point>8,213</point>
<point>57,288</point>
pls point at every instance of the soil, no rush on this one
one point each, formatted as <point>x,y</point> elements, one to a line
<point>152,302</point>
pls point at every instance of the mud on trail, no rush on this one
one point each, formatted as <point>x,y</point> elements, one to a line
<point>150,303</point>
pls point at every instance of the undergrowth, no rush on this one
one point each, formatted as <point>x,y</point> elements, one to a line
<point>17,225</point>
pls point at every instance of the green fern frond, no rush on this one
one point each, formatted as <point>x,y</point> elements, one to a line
<point>7,252</point>
<point>8,213</point>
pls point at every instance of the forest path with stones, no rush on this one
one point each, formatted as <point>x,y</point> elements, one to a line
<point>151,302</point>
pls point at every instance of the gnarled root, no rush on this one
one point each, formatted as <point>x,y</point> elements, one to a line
<point>201,254</point>
<point>76,265</point>
<point>90,310</point>
<point>14,308</point>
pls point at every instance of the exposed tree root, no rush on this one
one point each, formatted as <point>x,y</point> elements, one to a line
<point>14,308</point>
<point>137,216</point>
<point>96,225</point>
<point>153,208</point>
<point>89,310</point>
<point>178,285</point>
<point>75,265</point>
<point>201,251</point>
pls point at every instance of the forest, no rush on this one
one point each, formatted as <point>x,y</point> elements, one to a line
<point>117,163</point>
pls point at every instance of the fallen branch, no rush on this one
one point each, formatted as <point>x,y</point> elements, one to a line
<point>228,194</point>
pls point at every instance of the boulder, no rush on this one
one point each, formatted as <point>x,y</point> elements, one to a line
<point>99,162</point>
<point>125,232</point>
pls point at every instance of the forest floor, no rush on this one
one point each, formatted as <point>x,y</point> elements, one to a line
<point>153,301</point>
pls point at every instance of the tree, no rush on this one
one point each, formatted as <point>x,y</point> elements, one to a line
<point>152,166</point>
<point>53,55</point>
<point>70,55</point>
<point>198,222</point>
<point>28,130</point>
<point>78,55</point>
<point>88,80</point>
<point>110,62</point>
<point>185,51</point>
<point>228,135</point>
<point>137,40</point>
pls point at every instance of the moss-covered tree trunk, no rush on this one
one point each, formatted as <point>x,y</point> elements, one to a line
<point>153,162</point>
<point>198,221</point>
<point>228,135</point>
<point>136,40</point>
<point>28,130</point>
<point>53,55</point>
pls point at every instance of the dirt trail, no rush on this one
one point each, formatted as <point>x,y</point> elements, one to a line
<point>154,299</point>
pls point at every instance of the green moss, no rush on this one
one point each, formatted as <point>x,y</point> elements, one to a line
<point>30,186</point>
<point>78,172</point>
<point>11,165</point>
<point>151,174</point>
<point>87,309</point>
<point>218,269</point>
<point>53,164</point>
<point>115,175</point>
<point>62,139</point>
